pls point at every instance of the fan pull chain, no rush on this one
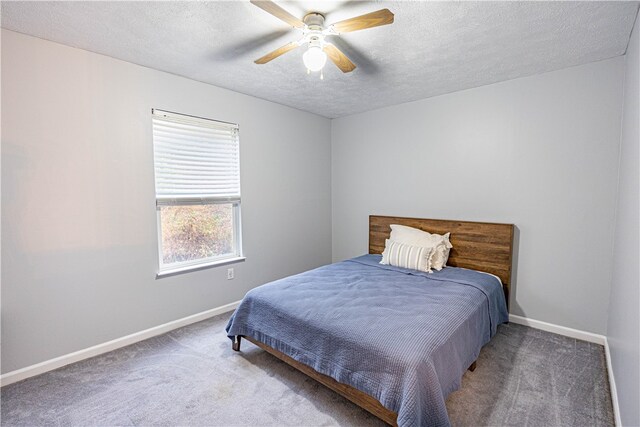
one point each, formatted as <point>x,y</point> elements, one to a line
<point>321,75</point>
<point>308,71</point>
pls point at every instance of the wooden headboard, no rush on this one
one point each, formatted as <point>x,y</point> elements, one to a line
<point>483,246</point>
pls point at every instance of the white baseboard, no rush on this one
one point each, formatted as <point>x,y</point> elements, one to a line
<point>560,330</point>
<point>612,385</point>
<point>50,365</point>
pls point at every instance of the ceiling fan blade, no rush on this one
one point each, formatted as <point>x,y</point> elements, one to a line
<point>339,58</point>
<point>280,51</point>
<point>272,8</point>
<point>362,22</point>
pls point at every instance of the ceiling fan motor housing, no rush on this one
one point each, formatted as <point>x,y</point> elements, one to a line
<point>314,19</point>
<point>313,32</point>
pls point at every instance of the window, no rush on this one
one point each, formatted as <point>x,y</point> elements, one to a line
<point>197,171</point>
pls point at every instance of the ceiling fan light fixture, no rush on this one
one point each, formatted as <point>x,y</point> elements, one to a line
<point>314,58</point>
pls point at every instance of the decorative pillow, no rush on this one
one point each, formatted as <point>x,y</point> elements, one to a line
<point>415,237</point>
<point>407,256</point>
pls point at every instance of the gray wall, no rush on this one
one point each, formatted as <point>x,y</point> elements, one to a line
<point>540,152</point>
<point>79,247</point>
<point>623,328</point>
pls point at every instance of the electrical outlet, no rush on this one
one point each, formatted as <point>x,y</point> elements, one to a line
<point>229,273</point>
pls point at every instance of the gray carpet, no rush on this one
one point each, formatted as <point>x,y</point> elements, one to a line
<point>191,376</point>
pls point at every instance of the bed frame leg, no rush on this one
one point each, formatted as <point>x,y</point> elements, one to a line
<point>236,343</point>
<point>473,366</point>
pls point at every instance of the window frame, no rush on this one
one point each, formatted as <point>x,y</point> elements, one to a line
<point>236,254</point>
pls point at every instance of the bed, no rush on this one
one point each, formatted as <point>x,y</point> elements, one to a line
<point>394,341</point>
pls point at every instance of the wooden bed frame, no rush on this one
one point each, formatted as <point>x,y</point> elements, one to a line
<point>476,245</point>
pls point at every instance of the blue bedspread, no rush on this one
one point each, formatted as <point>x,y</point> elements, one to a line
<point>402,336</point>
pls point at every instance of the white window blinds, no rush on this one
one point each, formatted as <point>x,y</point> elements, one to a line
<point>196,160</point>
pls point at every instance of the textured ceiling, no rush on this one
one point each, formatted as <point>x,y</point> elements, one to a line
<point>432,48</point>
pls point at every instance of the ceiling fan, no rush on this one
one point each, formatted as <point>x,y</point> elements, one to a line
<point>314,32</point>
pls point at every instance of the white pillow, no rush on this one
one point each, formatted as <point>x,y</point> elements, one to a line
<point>415,237</point>
<point>439,257</point>
<point>447,243</point>
<point>407,256</point>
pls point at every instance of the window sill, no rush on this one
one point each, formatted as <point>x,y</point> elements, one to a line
<point>190,268</point>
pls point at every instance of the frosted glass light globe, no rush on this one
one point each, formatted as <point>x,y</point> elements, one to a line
<point>314,58</point>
